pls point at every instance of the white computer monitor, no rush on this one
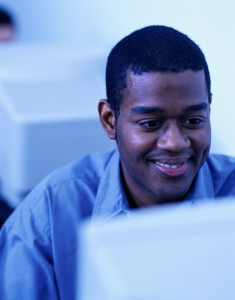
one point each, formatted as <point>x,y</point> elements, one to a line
<point>172,253</point>
<point>49,95</point>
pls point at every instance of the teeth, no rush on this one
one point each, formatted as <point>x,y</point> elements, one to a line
<point>168,166</point>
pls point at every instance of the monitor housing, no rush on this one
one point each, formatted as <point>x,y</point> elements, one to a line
<point>174,252</point>
<point>48,112</point>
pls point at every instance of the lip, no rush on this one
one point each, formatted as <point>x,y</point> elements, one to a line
<point>172,168</point>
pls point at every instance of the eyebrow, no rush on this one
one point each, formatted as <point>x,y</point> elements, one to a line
<point>146,110</point>
<point>196,107</point>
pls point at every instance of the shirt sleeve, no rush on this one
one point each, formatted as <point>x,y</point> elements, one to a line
<point>26,264</point>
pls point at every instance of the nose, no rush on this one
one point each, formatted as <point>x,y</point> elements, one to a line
<point>173,138</point>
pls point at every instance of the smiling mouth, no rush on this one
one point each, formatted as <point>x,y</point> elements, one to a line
<point>172,169</point>
<point>173,166</point>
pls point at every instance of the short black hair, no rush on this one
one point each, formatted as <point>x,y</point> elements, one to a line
<point>5,17</point>
<point>153,48</point>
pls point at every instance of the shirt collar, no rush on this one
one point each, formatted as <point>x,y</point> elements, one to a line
<point>111,199</point>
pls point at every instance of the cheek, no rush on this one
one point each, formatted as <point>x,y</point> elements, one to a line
<point>205,138</point>
<point>134,142</point>
<point>201,143</point>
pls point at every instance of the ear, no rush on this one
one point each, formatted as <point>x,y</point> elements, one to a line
<point>210,100</point>
<point>107,118</point>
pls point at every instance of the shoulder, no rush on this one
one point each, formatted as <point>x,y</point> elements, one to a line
<point>90,167</point>
<point>83,171</point>
<point>74,179</point>
<point>64,195</point>
<point>222,173</point>
<point>222,165</point>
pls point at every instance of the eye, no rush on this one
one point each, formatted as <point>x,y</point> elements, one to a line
<point>193,122</point>
<point>151,123</point>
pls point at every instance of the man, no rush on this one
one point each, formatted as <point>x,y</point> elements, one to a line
<point>158,111</point>
<point>7,26</point>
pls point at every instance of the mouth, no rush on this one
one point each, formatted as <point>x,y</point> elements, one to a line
<point>171,166</point>
<point>172,169</point>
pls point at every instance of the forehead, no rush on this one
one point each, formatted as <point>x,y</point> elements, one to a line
<point>182,84</point>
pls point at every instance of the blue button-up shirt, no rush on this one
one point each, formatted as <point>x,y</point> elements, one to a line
<point>39,243</point>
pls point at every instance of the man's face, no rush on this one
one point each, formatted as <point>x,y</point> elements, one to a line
<point>6,33</point>
<point>163,134</point>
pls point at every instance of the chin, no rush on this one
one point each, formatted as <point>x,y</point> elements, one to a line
<point>172,198</point>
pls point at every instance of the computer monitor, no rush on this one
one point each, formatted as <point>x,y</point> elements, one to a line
<point>49,95</point>
<point>170,253</point>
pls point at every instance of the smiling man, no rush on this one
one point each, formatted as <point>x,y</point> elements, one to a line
<point>158,111</point>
